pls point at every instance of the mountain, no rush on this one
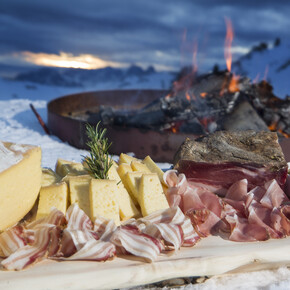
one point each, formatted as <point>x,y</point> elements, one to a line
<point>268,62</point>
<point>69,77</point>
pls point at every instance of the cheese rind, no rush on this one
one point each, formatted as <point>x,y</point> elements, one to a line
<point>55,195</point>
<point>127,207</point>
<point>79,188</point>
<point>151,196</point>
<point>19,183</point>
<point>104,199</point>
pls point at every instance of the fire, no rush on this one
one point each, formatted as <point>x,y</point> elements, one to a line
<point>187,96</point>
<point>274,127</point>
<point>234,84</point>
<point>203,95</point>
<point>228,43</point>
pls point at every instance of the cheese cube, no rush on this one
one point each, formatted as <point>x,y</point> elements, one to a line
<point>124,158</point>
<point>126,205</point>
<point>133,180</point>
<point>104,199</point>
<point>55,195</point>
<point>79,192</point>
<point>151,196</point>
<point>20,181</point>
<point>138,166</point>
<point>49,177</point>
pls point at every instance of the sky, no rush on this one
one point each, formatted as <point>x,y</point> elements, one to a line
<point>164,33</point>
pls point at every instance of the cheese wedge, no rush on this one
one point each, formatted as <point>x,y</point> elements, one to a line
<point>124,158</point>
<point>79,192</point>
<point>104,199</point>
<point>49,177</point>
<point>122,169</point>
<point>20,181</point>
<point>127,207</point>
<point>55,195</point>
<point>138,166</point>
<point>151,196</point>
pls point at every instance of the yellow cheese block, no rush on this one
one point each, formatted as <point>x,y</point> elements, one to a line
<point>153,167</point>
<point>20,181</point>
<point>122,169</point>
<point>151,196</point>
<point>133,180</point>
<point>65,167</point>
<point>79,192</point>
<point>104,199</point>
<point>49,177</point>
<point>55,195</point>
<point>126,205</point>
<point>124,158</point>
<point>138,166</point>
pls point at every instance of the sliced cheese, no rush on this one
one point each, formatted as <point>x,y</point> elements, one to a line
<point>20,181</point>
<point>124,158</point>
<point>153,167</point>
<point>127,207</point>
<point>79,192</point>
<point>49,177</point>
<point>133,180</point>
<point>55,195</point>
<point>138,166</point>
<point>64,167</point>
<point>151,196</point>
<point>122,169</point>
<point>104,199</point>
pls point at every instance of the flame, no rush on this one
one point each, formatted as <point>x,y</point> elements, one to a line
<point>274,127</point>
<point>266,72</point>
<point>203,95</point>
<point>174,130</point>
<point>234,84</point>
<point>187,96</point>
<point>228,43</point>
<point>256,79</point>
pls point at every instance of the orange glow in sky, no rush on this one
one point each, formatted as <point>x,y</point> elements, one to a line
<point>66,60</point>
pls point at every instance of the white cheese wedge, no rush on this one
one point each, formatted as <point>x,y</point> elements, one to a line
<point>133,180</point>
<point>104,199</point>
<point>79,192</point>
<point>126,205</point>
<point>151,196</point>
<point>55,195</point>
<point>20,181</point>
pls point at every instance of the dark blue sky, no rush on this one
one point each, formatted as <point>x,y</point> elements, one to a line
<point>160,33</point>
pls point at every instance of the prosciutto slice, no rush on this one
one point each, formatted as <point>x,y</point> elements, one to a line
<point>242,215</point>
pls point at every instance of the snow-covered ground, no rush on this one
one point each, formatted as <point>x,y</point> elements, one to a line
<point>18,124</point>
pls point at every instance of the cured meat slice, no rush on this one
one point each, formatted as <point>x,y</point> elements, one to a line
<point>222,158</point>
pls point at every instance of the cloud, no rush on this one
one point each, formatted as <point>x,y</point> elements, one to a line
<point>130,31</point>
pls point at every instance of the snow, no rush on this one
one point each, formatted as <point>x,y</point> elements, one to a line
<point>18,124</point>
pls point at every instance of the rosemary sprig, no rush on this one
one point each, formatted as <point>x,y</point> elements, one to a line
<point>98,161</point>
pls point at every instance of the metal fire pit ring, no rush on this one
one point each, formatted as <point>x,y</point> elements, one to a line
<point>161,146</point>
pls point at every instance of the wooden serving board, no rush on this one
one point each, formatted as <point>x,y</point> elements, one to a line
<point>211,256</point>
